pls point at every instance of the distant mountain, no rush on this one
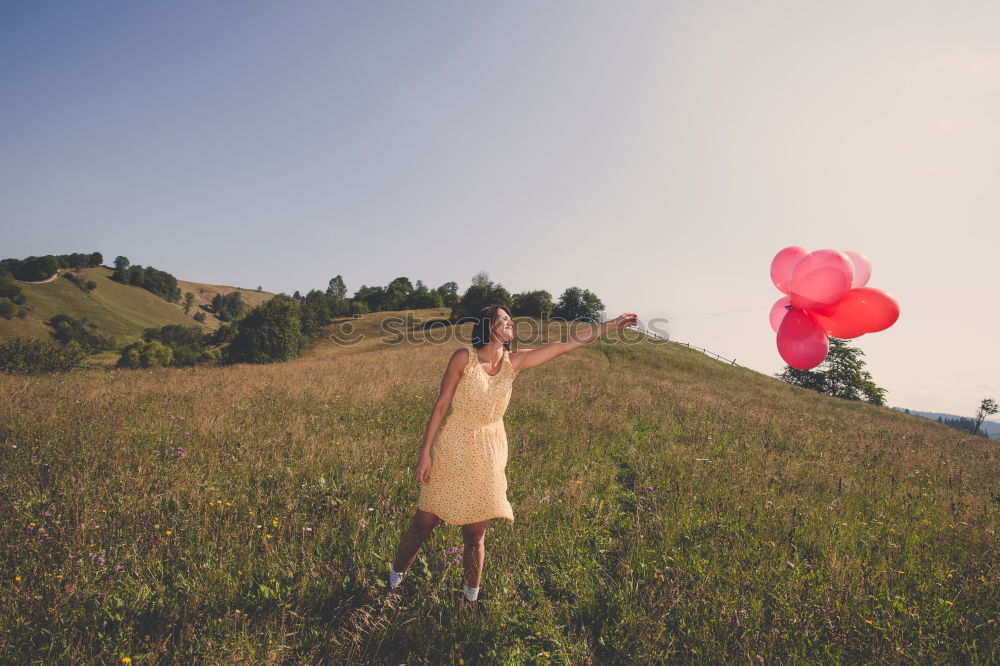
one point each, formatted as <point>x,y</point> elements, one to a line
<point>991,428</point>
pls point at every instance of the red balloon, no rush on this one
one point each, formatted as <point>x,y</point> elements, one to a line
<point>862,268</point>
<point>778,311</point>
<point>821,278</point>
<point>801,340</point>
<point>862,310</point>
<point>783,264</point>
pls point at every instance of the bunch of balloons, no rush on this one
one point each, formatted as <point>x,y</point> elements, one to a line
<point>826,295</point>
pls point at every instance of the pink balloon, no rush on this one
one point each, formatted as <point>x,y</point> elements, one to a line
<point>778,311</point>
<point>820,278</point>
<point>783,264</point>
<point>862,310</point>
<point>862,268</point>
<point>801,340</point>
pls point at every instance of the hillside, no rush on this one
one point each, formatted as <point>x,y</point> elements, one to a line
<point>118,310</point>
<point>669,508</point>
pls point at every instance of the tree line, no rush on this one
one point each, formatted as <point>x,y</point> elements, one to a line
<point>35,269</point>
<point>282,327</point>
<point>155,281</point>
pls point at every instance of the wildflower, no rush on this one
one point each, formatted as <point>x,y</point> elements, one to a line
<point>17,579</point>
<point>790,564</point>
<point>119,567</point>
<point>274,522</point>
<point>169,532</point>
<point>950,603</point>
<point>268,536</point>
<point>900,572</point>
<point>126,660</point>
<point>869,622</point>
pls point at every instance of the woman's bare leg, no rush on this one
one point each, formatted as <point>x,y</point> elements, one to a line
<point>474,535</point>
<point>420,528</point>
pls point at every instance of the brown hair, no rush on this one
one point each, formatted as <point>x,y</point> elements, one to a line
<point>483,326</point>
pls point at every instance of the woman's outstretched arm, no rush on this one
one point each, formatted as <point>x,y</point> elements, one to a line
<point>452,375</point>
<point>529,358</point>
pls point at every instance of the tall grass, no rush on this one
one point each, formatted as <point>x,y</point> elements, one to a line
<point>669,508</point>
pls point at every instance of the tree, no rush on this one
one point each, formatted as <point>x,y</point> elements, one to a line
<point>449,293</point>
<point>842,374</point>
<point>397,294</point>
<point>477,297</point>
<point>988,407</point>
<point>314,312</point>
<point>536,304</point>
<point>228,307</point>
<point>271,332</point>
<point>481,279</point>
<point>188,302</point>
<point>121,263</point>
<point>372,297</point>
<point>337,289</point>
<point>579,304</point>
<point>422,298</point>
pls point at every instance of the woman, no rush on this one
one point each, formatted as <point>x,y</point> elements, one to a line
<point>462,476</point>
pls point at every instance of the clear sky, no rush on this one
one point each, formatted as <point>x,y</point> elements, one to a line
<point>656,153</point>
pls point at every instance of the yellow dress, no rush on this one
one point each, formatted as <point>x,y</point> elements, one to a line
<point>469,453</point>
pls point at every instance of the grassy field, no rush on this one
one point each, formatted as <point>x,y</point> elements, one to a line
<point>669,508</point>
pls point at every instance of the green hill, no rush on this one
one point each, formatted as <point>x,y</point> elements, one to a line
<point>669,509</point>
<point>118,310</point>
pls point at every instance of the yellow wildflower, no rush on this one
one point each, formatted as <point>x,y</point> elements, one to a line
<point>17,579</point>
<point>126,660</point>
<point>274,522</point>
<point>950,603</point>
<point>169,532</point>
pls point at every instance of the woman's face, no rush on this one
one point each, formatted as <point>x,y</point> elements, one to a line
<point>503,327</point>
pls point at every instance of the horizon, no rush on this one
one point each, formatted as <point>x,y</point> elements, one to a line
<point>656,155</point>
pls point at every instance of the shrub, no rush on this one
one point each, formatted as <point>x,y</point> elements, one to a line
<point>7,308</point>
<point>146,355</point>
<point>66,329</point>
<point>271,332</point>
<point>10,289</point>
<point>31,356</point>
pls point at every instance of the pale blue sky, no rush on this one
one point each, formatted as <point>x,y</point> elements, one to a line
<point>657,153</point>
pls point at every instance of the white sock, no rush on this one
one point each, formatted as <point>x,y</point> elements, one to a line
<point>395,578</point>
<point>471,593</point>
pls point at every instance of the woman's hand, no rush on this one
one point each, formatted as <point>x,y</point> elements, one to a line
<point>424,469</point>
<point>623,321</point>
